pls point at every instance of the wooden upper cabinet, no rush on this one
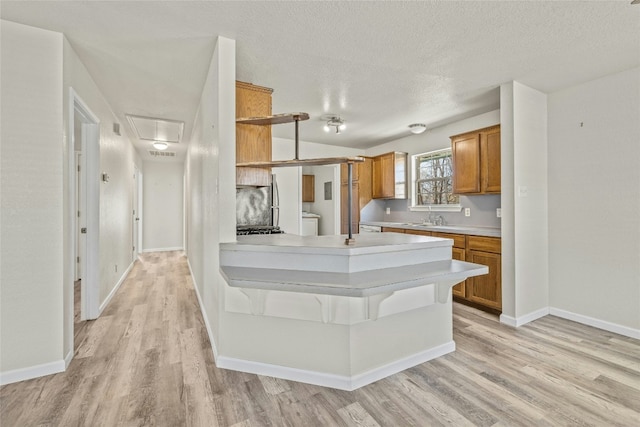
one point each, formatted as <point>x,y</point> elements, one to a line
<point>389,176</point>
<point>253,142</point>
<point>355,172</point>
<point>308,188</point>
<point>490,156</point>
<point>476,161</point>
<point>361,177</point>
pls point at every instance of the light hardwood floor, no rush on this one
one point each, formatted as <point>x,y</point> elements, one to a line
<point>148,361</point>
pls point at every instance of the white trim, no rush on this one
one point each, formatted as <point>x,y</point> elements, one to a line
<point>204,315</point>
<point>31,372</point>
<point>67,359</point>
<point>176,248</point>
<point>115,288</point>
<point>523,320</point>
<point>596,323</point>
<point>340,382</point>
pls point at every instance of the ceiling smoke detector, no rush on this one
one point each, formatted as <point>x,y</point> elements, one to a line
<point>417,128</point>
<point>335,121</point>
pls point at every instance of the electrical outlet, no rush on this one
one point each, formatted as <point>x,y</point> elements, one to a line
<point>467,211</point>
<point>499,212</point>
<point>388,211</point>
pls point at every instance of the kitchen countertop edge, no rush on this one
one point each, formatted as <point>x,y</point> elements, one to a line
<point>455,229</point>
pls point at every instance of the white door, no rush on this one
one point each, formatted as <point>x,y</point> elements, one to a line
<point>136,214</point>
<point>80,216</point>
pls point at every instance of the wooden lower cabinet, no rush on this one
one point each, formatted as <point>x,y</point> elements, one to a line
<point>457,253</point>
<point>486,289</point>
<point>393,230</point>
<point>480,291</point>
<point>459,290</point>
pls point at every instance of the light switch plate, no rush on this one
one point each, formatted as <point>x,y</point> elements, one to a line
<point>499,212</point>
<point>388,211</point>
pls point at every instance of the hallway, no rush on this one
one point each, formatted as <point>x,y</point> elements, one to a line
<point>148,361</point>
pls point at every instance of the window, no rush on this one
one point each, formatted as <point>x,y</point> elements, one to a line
<point>433,181</point>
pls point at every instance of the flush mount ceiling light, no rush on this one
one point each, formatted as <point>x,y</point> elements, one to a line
<point>337,122</point>
<point>417,128</point>
<point>160,145</point>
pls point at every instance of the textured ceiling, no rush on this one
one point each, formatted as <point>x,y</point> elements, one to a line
<point>379,65</point>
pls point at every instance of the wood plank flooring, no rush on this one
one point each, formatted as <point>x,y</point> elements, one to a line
<point>148,362</point>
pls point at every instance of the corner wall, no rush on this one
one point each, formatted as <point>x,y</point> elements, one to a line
<point>210,185</point>
<point>594,202</point>
<point>31,225</point>
<point>525,282</point>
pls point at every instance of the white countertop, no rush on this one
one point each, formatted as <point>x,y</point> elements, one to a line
<point>309,215</point>
<point>334,245</point>
<point>457,229</point>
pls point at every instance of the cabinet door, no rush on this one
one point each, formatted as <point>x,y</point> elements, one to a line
<point>392,230</point>
<point>383,176</point>
<point>465,152</point>
<point>253,143</point>
<point>355,210</point>
<point>459,290</point>
<point>308,188</point>
<point>355,172</point>
<point>490,160</point>
<point>486,289</point>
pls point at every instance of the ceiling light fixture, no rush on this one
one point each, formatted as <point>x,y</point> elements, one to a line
<point>337,122</point>
<point>417,128</point>
<point>159,145</point>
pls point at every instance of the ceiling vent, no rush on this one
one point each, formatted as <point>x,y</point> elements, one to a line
<point>154,129</point>
<point>156,153</point>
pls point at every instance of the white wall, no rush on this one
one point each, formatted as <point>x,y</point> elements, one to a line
<point>38,69</point>
<point>594,200</point>
<point>325,208</point>
<point>162,206</point>
<point>210,185</point>
<point>31,225</point>
<point>524,203</point>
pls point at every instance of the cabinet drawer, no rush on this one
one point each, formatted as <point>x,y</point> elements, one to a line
<point>392,230</point>
<point>485,244</point>
<point>418,232</point>
<point>458,239</point>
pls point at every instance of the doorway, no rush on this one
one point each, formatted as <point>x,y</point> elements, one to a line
<point>136,235</point>
<point>84,189</point>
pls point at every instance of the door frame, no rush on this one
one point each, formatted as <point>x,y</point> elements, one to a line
<point>137,207</point>
<point>90,284</point>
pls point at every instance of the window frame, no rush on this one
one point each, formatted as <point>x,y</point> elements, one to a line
<point>414,186</point>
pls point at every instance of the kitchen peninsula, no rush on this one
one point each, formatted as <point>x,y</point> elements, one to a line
<point>313,309</point>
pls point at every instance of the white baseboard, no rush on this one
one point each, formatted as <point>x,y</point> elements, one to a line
<point>523,320</point>
<point>596,323</point>
<point>115,289</point>
<point>330,380</point>
<point>67,359</point>
<point>32,372</point>
<point>176,248</point>
<point>204,314</point>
